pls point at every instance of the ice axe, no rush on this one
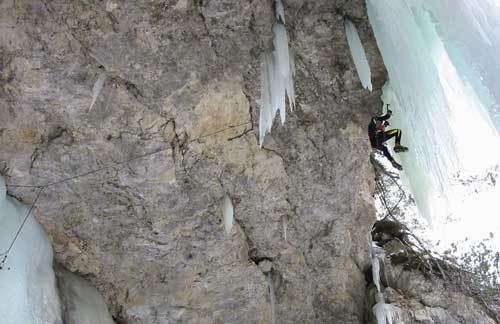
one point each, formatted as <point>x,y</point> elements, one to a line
<point>388,110</point>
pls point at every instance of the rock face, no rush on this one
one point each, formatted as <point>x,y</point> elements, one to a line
<point>430,301</point>
<point>428,298</point>
<point>172,131</point>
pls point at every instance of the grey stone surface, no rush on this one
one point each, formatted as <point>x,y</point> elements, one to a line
<point>180,106</point>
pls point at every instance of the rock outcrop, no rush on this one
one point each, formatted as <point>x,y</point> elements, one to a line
<point>172,131</point>
<point>422,297</point>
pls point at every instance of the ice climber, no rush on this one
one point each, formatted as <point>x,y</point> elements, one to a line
<point>378,137</point>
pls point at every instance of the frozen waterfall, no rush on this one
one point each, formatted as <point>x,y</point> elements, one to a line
<point>276,79</point>
<point>28,292</point>
<point>358,54</point>
<point>444,71</point>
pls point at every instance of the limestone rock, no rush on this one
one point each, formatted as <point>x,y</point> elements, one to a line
<point>173,130</point>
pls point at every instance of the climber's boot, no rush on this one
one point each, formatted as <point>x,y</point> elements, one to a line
<point>400,148</point>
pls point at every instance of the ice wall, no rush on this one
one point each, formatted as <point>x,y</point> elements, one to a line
<point>28,289</point>
<point>358,54</point>
<point>28,292</point>
<point>443,65</point>
<point>276,79</point>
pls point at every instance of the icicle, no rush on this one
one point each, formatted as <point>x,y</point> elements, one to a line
<point>280,43</point>
<point>277,71</point>
<point>272,298</point>
<point>97,89</point>
<point>376,272</point>
<point>280,11</point>
<point>227,212</point>
<point>284,220</point>
<point>265,118</point>
<point>278,87</point>
<point>358,54</point>
<point>378,256</point>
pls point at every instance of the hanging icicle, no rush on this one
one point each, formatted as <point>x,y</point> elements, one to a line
<point>280,11</point>
<point>276,79</point>
<point>272,297</point>
<point>358,54</point>
<point>228,214</point>
<point>98,85</point>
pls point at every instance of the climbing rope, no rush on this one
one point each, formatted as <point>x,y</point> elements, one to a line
<point>41,188</point>
<point>6,252</point>
<point>382,191</point>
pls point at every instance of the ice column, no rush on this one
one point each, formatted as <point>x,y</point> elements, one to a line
<point>385,313</point>
<point>28,292</point>
<point>358,54</point>
<point>377,258</point>
<point>276,79</point>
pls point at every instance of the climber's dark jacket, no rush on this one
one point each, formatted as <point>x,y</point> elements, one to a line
<point>377,133</point>
<point>376,130</point>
